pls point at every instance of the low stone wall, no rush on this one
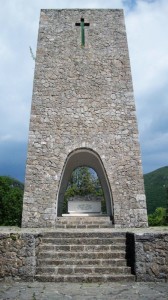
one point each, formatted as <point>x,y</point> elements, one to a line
<point>151,256</point>
<point>17,255</point>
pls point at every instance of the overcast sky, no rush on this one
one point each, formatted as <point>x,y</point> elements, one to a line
<point>147,32</point>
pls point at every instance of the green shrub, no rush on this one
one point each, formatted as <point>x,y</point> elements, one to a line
<point>158,218</point>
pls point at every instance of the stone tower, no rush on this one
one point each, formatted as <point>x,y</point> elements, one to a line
<point>83,114</point>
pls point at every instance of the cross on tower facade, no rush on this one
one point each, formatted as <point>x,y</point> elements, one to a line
<point>82,24</point>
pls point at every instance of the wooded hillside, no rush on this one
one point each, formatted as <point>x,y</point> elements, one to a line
<point>156,184</point>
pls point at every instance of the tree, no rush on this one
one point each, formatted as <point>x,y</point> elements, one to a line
<point>158,217</point>
<point>166,213</point>
<point>83,181</point>
<point>11,201</point>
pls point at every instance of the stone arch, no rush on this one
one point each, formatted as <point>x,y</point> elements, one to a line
<point>79,158</point>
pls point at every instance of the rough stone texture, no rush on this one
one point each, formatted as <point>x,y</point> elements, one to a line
<point>83,99</point>
<point>82,291</point>
<point>148,257</point>
<point>151,257</point>
<point>17,256</point>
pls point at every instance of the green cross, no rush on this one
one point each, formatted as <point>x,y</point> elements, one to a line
<point>82,24</point>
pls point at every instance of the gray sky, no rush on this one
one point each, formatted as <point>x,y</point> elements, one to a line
<point>147,30</point>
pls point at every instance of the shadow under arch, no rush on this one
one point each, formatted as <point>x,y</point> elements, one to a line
<point>79,158</point>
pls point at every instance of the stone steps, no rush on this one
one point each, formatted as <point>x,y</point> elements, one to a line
<point>73,269</point>
<point>83,219</point>
<point>78,225</point>
<point>81,234</point>
<point>82,255</point>
<point>83,222</point>
<point>83,278</point>
<point>83,247</point>
<point>83,241</point>
<point>86,262</point>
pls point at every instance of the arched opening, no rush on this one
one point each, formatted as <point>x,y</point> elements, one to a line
<point>84,189</point>
<point>79,158</point>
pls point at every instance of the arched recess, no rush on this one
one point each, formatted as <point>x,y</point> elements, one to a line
<point>79,158</point>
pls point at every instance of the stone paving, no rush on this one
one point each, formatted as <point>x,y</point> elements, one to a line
<point>54,291</point>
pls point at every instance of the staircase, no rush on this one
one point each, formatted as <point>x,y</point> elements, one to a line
<point>90,253</point>
<point>84,222</point>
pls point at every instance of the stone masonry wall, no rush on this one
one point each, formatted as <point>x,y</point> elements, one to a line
<point>17,256</point>
<point>151,257</point>
<point>83,98</point>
